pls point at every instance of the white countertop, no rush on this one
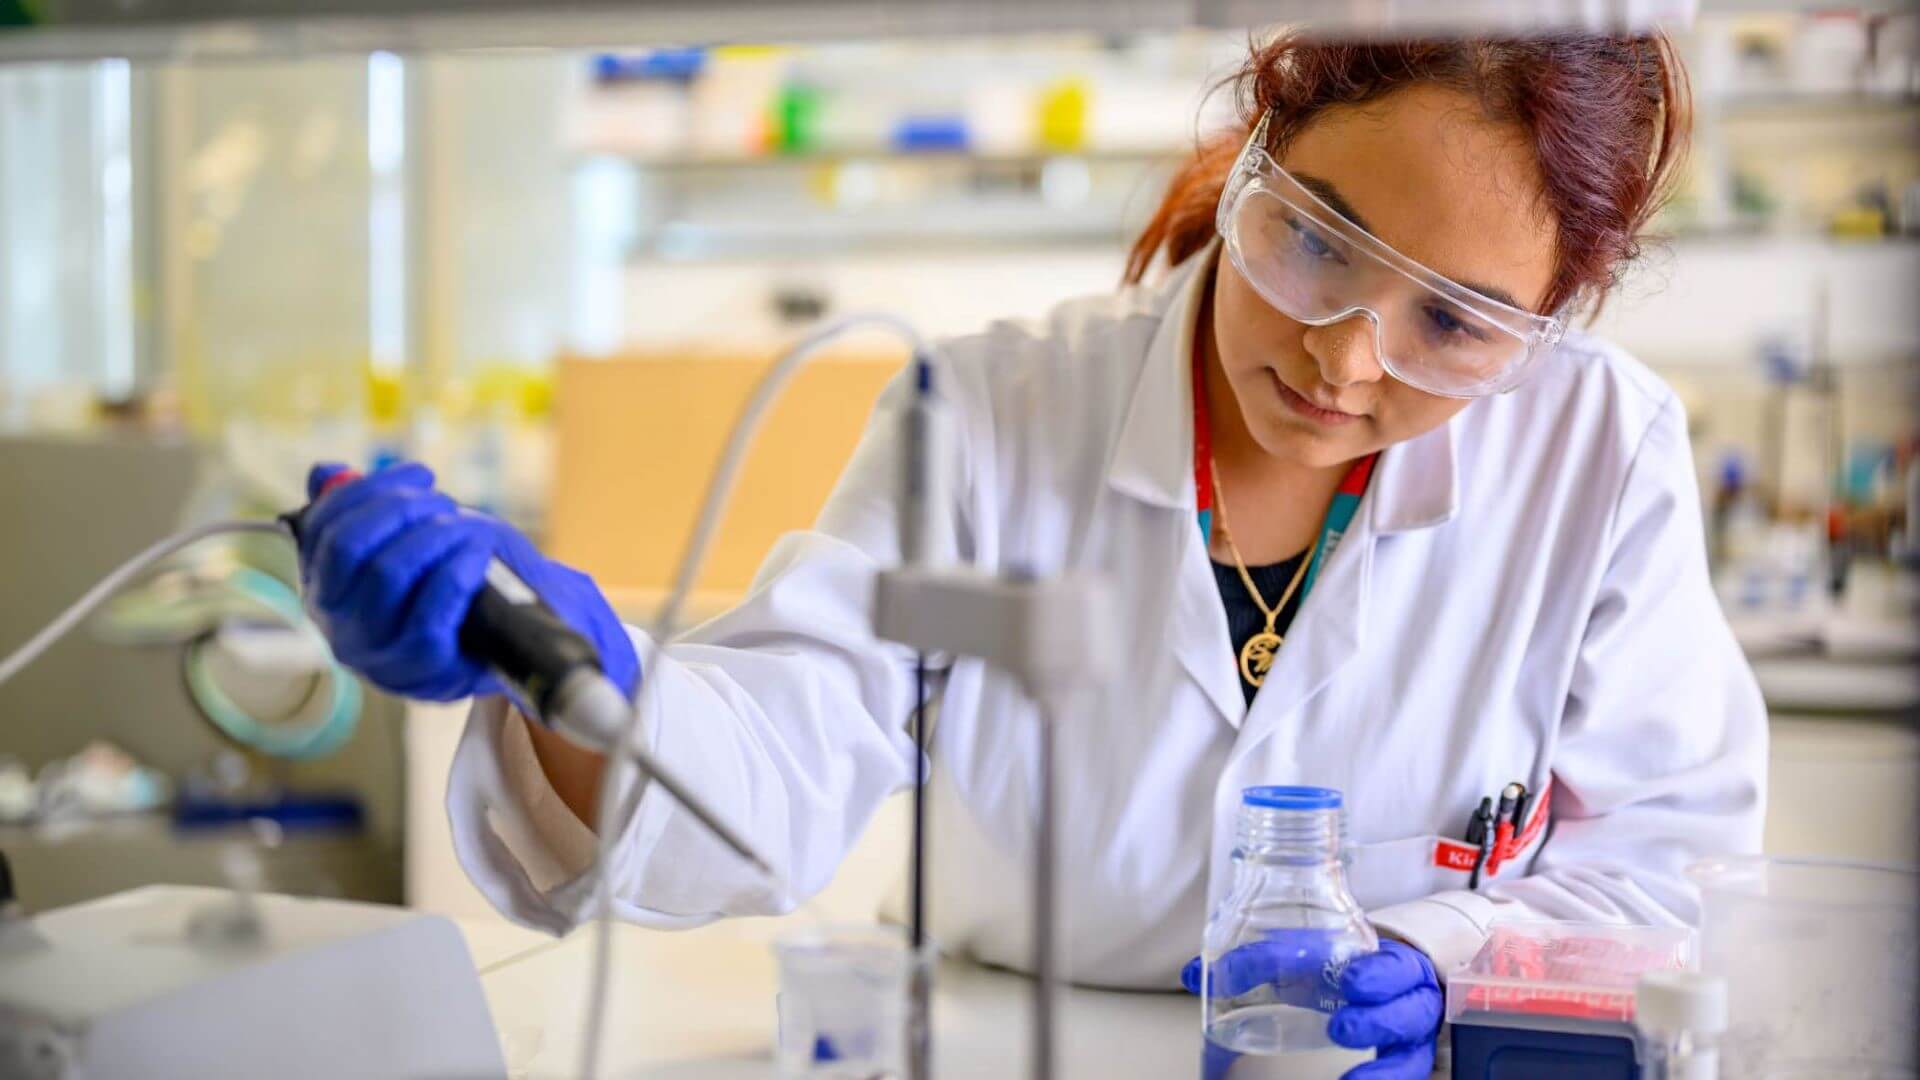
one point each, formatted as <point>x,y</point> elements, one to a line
<point>701,1004</point>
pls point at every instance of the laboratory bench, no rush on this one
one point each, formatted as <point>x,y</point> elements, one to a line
<point>240,983</point>
<point>700,1004</point>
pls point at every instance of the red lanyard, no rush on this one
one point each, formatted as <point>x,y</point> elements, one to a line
<point>1202,443</point>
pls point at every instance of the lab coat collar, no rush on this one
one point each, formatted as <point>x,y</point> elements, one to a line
<point>1417,483</point>
<point>1153,461</point>
<point>1415,487</point>
<point>1153,457</point>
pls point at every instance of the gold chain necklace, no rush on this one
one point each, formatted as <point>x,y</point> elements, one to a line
<point>1256,656</point>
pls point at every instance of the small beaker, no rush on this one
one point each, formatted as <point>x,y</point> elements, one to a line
<point>843,1002</point>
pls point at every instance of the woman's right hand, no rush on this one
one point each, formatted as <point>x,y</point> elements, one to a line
<point>390,567</point>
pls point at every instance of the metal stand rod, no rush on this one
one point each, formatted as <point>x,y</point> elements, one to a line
<point>920,1003</point>
<point>1045,915</point>
<point>917,917</point>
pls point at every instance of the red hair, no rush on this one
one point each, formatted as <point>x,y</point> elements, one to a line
<point>1607,118</point>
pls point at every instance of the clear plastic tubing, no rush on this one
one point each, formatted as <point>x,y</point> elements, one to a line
<point>1277,943</point>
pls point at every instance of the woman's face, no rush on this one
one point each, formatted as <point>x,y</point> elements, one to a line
<point>1425,171</point>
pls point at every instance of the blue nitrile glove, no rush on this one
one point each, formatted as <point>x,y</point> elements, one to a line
<point>390,567</point>
<point>1393,1005</point>
<point>1392,1001</point>
<point>1292,962</point>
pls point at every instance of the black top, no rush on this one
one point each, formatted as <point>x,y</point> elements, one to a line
<point>1244,617</point>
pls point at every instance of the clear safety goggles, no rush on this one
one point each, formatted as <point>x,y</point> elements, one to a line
<point>1316,267</point>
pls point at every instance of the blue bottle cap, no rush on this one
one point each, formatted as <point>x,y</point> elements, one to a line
<point>1285,797</point>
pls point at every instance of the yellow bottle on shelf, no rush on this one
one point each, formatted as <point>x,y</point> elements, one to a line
<point>1064,107</point>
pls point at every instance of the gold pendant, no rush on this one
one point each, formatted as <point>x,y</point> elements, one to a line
<point>1256,656</point>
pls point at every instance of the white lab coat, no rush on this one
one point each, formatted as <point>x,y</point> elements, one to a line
<point>1522,595</point>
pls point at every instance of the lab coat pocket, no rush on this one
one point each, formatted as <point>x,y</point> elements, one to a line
<point>1395,871</point>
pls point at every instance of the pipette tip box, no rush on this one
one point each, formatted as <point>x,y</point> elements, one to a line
<point>1556,999</point>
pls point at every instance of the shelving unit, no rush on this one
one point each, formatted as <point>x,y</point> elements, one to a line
<point>1785,105</point>
<point>886,156</point>
<point>990,231</point>
<point>1767,238</point>
<point>791,203</point>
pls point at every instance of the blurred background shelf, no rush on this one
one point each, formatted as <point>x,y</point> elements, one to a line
<point>57,867</point>
<point>1763,238</point>
<point>1834,105</point>
<point>1009,234</point>
<point>880,155</point>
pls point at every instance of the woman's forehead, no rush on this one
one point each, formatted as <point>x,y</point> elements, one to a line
<point>1427,173</point>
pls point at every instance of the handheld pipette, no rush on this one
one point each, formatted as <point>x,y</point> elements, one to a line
<point>555,671</point>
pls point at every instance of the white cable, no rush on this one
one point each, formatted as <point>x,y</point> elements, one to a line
<point>64,623</point>
<point>719,491</point>
<point>720,487</point>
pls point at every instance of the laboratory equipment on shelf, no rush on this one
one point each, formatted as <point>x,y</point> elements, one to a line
<point>844,1002</point>
<point>1680,1016</point>
<point>1278,941</point>
<point>1557,998</point>
<point>176,983</point>
<point>1822,964</point>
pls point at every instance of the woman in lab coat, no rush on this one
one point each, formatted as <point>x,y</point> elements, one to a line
<point>1380,523</point>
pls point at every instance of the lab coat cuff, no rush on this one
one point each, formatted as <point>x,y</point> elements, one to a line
<point>524,849</point>
<point>1449,926</point>
<point>636,839</point>
<point>491,832</point>
<point>661,862</point>
<point>565,846</point>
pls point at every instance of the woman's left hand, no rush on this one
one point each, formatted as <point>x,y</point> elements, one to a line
<point>1393,1006</point>
<point>1391,1001</point>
